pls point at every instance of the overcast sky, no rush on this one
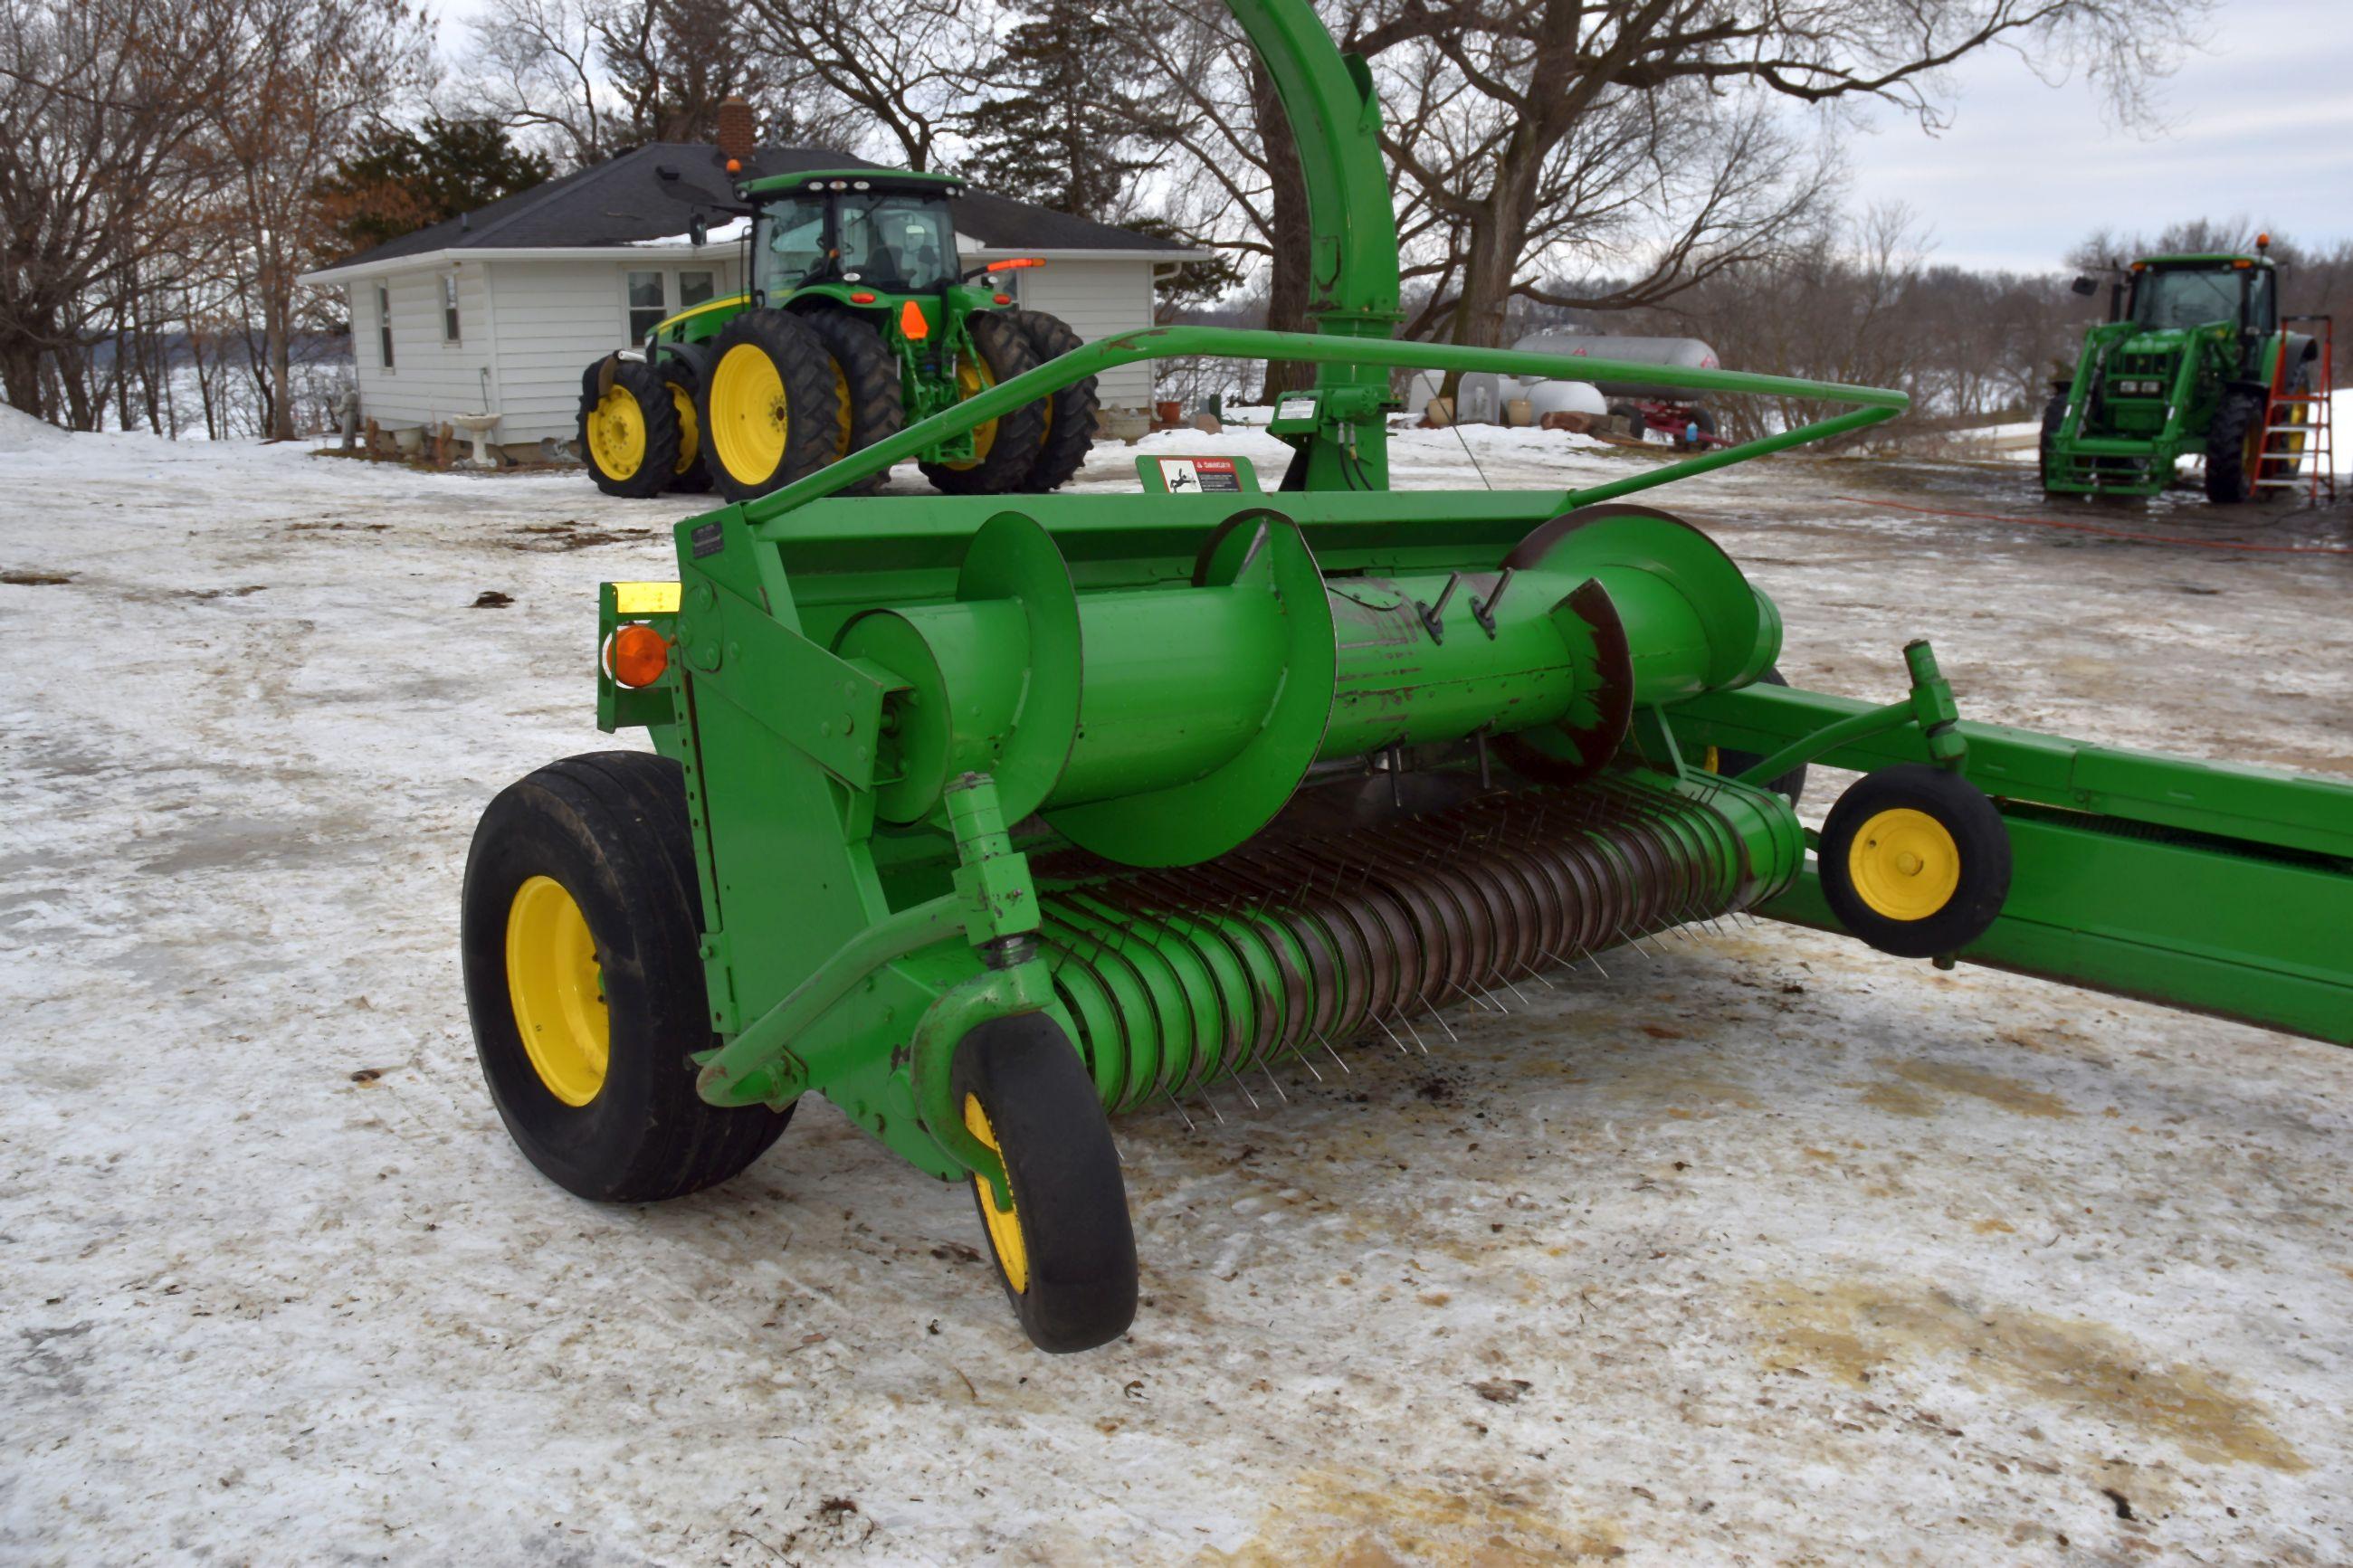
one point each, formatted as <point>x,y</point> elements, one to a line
<point>2259,125</point>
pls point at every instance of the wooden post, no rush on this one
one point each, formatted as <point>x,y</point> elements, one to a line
<point>374,437</point>
<point>442,436</point>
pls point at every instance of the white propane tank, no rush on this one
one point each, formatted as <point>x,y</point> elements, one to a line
<point>1682,353</point>
<point>1565,397</point>
<point>1419,388</point>
<point>1480,400</point>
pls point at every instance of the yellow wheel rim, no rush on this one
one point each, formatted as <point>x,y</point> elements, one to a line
<point>617,433</point>
<point>690,435</point>
<point>1713,761</point>
<point>972,379</point>
<point>1903,864</point>
<point>749,419</point>
<point>1004,1225</point>
<point>841,412</point>
<point>555,986</point>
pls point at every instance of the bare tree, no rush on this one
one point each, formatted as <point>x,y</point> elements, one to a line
<point>538,68</point>
<point>97,104</point>
<point>912,90</point>
<point>313,75</point>
<point>1543,76</point>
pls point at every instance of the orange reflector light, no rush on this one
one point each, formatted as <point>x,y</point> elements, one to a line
<point>861,298</point>
<point>2263,242</point>
<point>1017,263</point>
<point>2243,266</point>
<point>637,655</point>
<point>1002,298</point>
<point>734,165</point>
<point>912,322</point>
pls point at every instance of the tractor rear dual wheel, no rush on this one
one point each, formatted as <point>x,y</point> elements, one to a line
<point>688,476</point>
<point>1006,448</point>
<point>1069,414</point>
<point>869,373</point>
<point>775,407</point>
<point>580,927</point>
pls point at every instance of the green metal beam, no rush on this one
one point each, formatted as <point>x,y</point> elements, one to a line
<point>1872,405</point>
<point>2264,807</point>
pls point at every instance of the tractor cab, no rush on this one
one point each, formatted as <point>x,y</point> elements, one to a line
<point>2186,293</point>
<point>874,230</point>
<point>2193,359</point>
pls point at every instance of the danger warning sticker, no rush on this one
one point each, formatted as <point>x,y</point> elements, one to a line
<point>1199,476</point>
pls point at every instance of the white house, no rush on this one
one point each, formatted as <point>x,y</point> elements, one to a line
<point>500,310</point>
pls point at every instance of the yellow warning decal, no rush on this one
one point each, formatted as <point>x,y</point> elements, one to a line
<point>645,598</point>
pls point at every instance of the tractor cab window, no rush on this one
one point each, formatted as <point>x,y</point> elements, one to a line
<point>897,241</point>
<point>792,241</point>
<point>2170,298</point>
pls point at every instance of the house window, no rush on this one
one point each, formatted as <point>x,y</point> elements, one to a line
<point>646,308</point>
<point>449,307</point>
<point>384,325</point>
<point>696,288</point>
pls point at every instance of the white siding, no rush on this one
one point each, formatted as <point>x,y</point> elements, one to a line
<point>1099,299</point>
<point>529,327</point>
<point>431,379</point>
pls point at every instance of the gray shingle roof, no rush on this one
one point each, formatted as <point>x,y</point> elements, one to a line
<point>655,190</point>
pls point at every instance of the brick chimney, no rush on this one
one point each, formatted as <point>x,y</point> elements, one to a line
<point>735,130</point>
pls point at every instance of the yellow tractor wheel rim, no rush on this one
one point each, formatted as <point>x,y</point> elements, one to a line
<point>690,435</point>
<point>749,419</point>
<point>841,412</point>
<point>558,995</point>
<point>972,379</point>
<point>1903,864</point>
<point>617,433</point>
<point>1004,1225</point>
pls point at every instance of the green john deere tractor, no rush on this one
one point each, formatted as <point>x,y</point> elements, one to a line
<point>2194,357</point>
<point>858,318</point>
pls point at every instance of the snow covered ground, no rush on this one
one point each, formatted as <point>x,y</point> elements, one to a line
<point>1769,1250</point>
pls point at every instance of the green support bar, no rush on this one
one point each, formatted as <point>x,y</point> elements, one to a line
<point>1872,405</point>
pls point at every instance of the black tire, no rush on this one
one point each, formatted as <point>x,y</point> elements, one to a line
<point>1011,440</point>
<point>2234,444</point>
<point>2054,414</point>
<point>1077,1263</point>
<point>629,434</point>
<point>1070,412</point>
<point>1638,424</point>
<point>610,828</point>
<point>759,443</point>
<point>688,476</point>
<point>1861,841</point>
<point>1731,764</point>
<point>877,405</point>
<point>1704,420</point>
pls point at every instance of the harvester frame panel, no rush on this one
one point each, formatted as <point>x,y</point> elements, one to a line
<point>1009,813</point>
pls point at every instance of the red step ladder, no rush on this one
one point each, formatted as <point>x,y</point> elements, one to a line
<point>2299,436</point>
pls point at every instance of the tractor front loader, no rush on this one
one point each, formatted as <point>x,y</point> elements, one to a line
<point>989,819</point>
<point>858,318</point>
<point>2194,360</point>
